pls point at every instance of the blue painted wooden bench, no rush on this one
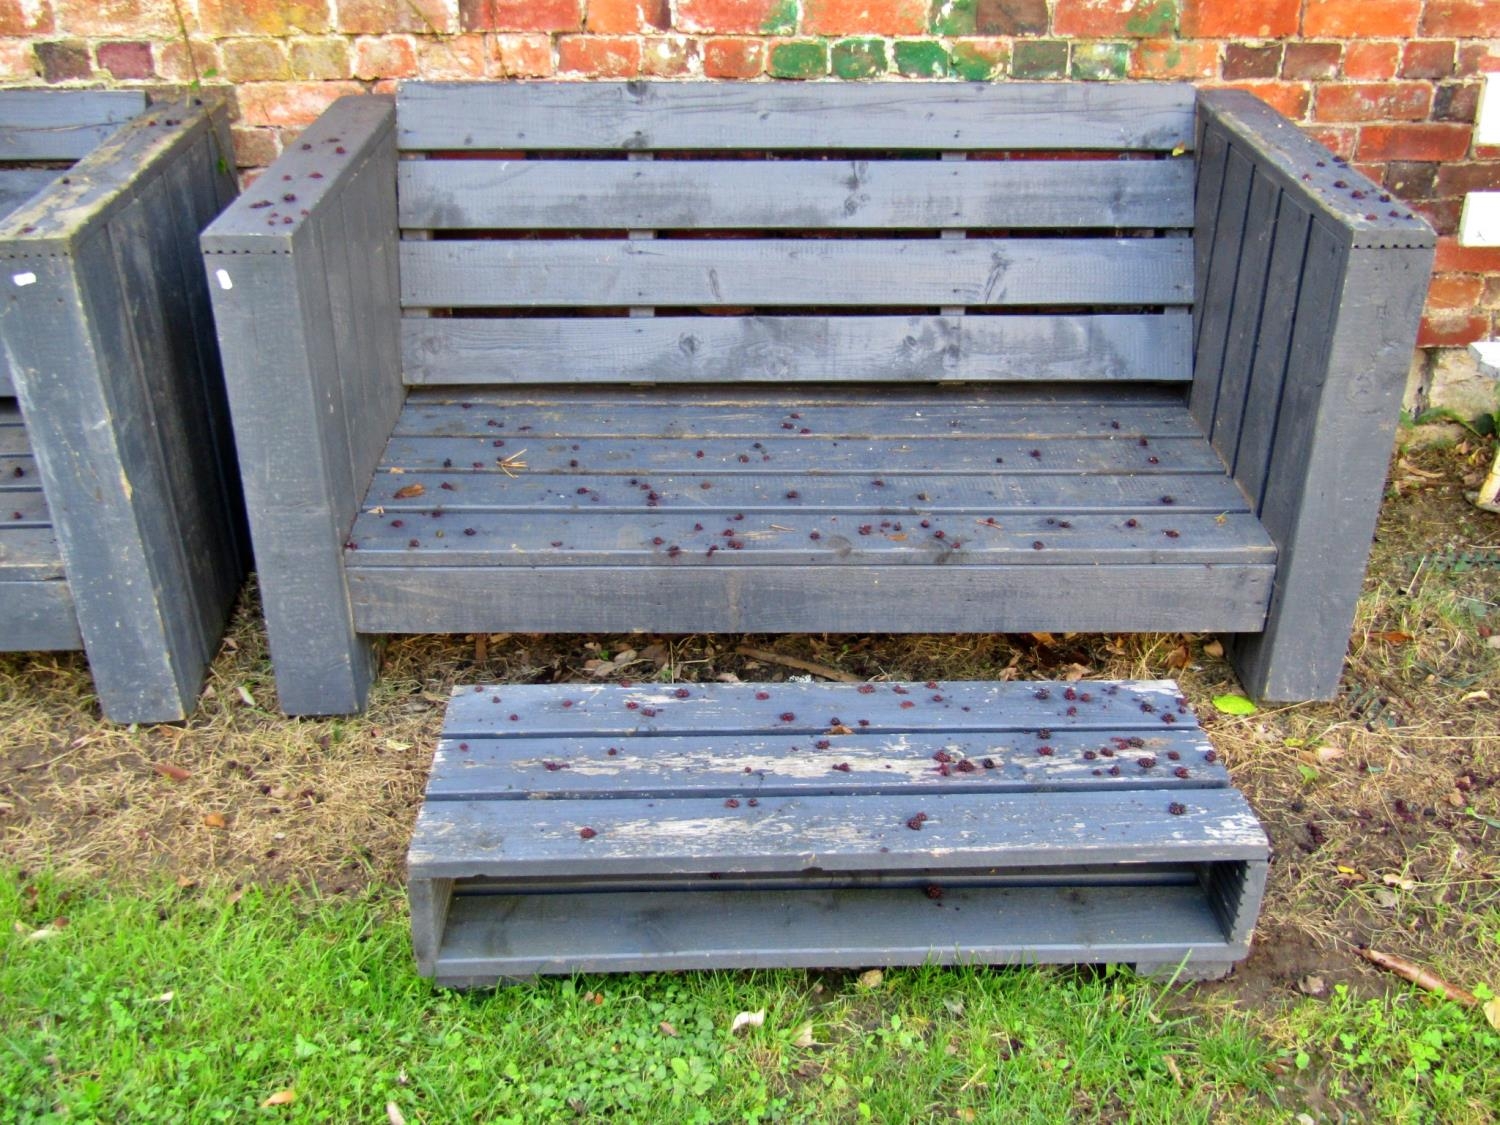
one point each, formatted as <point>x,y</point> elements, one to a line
<point>579,828</point>
<point>812,357</point>
<point>120,515</point>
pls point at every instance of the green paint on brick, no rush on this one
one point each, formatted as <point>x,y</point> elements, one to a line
<point>978,64</point>
<point>803,59</point>
<point>1153,20</point>
<point>1039,58</point>
<point>859,58</point>
<point>921,58</point>
<point>953,17</point>
<point>1100,62</point>
<point>782,19</point>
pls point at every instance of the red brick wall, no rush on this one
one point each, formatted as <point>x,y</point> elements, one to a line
<point>1391,84</point>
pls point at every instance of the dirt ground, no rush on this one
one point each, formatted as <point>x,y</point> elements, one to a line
<point>1382,806</point>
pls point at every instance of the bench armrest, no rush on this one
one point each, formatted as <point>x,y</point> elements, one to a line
<point>1310,283</point>
<point>303,275</point>
<point>108,333</point>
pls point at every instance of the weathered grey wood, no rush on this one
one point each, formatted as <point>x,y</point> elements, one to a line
<point>797,195</point>
<point>37,616</point>
<point>455,839</point>
<point>1213,150</point>
<point>428,900</point>
<point>1218,294</point>
<point>24,507</point>
<point>834,272</point>
<point>1365,213</point>
<point>1356,325</point>
<point>774,349</point>
<point>792,599</point>
<point>17,185</point>
<point>28,553</point>
<point>99,333</point>
<point>639,116</point>
<point>309,418</point>
<point>62,124</point>
<point>489,939</point>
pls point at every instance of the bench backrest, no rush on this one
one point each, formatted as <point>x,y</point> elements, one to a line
<point>712,232</point>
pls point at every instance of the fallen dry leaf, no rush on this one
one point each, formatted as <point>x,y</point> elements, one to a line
<point>804,1036</point>
<point>1312,985</point>
<point>747,1019</point>
<point>1172,1069</point>
<point>1401,881</point>
<point>1393,637</point>
<point>214,820</point>
<point>245,696</point>
<point>44,933</point>
<point>168,770</point>
<point>280,1097</point>
<point>1214,649</point>
<point>393,1114</point>
<point>408,491</point>
<point>666,1028</point>
<point>1492,1012</point>
<point>871,978</point>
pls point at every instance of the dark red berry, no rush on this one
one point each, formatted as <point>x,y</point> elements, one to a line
<point>587,833</point>
<point>1176,809</point>
<point>787,717</point>
<point>731,803</point>
<point>762,695</point>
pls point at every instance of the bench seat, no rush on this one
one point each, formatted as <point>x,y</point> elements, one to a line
<point>35,602</point>
<point>855,510</point>
<point>611,828</point>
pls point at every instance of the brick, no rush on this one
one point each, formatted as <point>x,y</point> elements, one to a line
<point>1455,291</point>
<point>453,56</point>
<point>1339,141</point>
<point>1478,58</point>
<point>1450,330</point>
<point>384,17</point>
<point>1443,214</point>
<point>127,60</point>
<point>1011,17</point>
<point>1287,98</point>
<point>1174,58</point>
<point>802,58</point>
<point>858,58</point>
<point>318,59</point>
<point>1456,101</point>
<point>138,18</point>
<point>1413,142</point>
<point>1460,179</point>
<point>734,58</point>
<point>385,56</point>
<point>954,17</point>
<point>175,64</point>
<point>1373,101</point>
<point>263,17</point>
<point>523,56</point>
<point>254,60</point>
<point>1039,58</point>
<point>1427,58</point>
<point>1099,62</point>
<point>1307,62</point>
<point>979,60</point>
<point>1411,179</point>
<point>1240,19</point>
<point>668,56</point>
<point>1453,258</point>
<point>1476,19</point>
<point>520,15</point>
<point>254,148</point>
<point>26,17</point>
<point>1246,60</point>
<point>626,17</point>
<point>883,17</point>
<point>295,104</point>
<point>1361,19</point>
<point>1371,60</point>
<point>599,57</point>
<point>1142,19</point>
<point>17,60</point>
<point>1490,298</point>
<point>64,60</point>
<point>767,16</point>
<point>1372,172</point>
<point>921,58</point>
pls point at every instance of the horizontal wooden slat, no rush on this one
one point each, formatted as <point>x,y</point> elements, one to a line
<point>24,507</point>
<point>488,938</point>
<point>7,387</point>
<point>983,272</point>
<point>643,458</point>
<point>37,616</point>
<point>810,599</point>
<point>640,116</point>
<point>754,414</point>
<point>61,125</point>
<point>17,185</point>
<point>986,492</point>
<point>570,711</point>
<point>773,349</point>
<point>454,839</point>
<point>28,553</point>
<point>782,194</point>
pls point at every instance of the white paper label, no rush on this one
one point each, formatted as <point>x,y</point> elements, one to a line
<point>24,278</point>
<point>224,282</point>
